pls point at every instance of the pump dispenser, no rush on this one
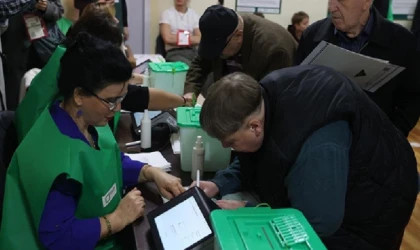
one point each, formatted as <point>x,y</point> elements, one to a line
<point>146,131</point>
<point>197,159</point>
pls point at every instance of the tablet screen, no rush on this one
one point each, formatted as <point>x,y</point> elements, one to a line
<point>182,226</point>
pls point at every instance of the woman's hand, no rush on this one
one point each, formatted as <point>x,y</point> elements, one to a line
<point>131,208</point>
<point>169,186</point>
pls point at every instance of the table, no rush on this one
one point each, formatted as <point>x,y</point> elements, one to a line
<point>149,191</point>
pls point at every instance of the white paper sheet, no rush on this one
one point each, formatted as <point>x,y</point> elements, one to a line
<point>155,159</point>
<point>182,226</point>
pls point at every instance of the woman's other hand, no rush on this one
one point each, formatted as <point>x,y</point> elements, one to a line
<point>131,208</point>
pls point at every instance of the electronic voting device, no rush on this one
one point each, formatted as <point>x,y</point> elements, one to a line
<point>157,117</point>
<point>183,222</point>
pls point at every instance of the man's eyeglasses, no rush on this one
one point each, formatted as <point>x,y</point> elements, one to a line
<point>111,105</point>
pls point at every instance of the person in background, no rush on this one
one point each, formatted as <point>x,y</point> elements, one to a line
<point>179,30</point>
<point>77,175</point>
<point>17,44</point>
<point>122,16</point>
<point>237,42</point>
<point>300,22</point>
<point>309,138</point>
<point>357,26</point>
<point>98,21</point>
<point>70,15</point>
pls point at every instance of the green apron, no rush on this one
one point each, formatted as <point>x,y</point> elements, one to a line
<point>41,157</point>
<point>390,13</point>
<point>64,24</point>
<point>41,93</point>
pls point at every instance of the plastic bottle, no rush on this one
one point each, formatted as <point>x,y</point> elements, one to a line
<point>146,131</point>
<point>146,78</point>
<point>197,159</point>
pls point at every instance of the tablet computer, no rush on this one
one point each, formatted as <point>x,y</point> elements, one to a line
<point>183,222</point>
<point>156,117</point>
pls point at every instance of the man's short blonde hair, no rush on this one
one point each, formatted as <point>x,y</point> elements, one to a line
<point>229,102</point>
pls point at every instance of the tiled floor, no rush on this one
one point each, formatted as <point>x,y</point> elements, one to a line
<point>412,232</point>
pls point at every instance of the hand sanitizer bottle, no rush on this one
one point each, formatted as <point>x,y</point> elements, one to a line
<point>197,159</point>
<point>146,78</point>
<point>146,131</point>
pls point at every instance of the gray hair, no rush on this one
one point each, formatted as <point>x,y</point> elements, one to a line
<point>229,102</point>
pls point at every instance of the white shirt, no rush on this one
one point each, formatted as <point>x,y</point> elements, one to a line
<point>179,21</point>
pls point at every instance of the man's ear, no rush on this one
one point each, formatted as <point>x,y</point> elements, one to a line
<point>239,33</point>
<point>256,126</point>
<point>367,4</point>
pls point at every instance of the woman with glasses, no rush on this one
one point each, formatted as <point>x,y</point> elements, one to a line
<point>65,184</point>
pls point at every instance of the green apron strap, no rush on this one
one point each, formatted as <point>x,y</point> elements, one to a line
<point>64,24</point>
<point>41,93</point>
<point>117,117</point>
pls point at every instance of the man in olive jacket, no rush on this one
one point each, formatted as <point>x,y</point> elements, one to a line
<point>231,42</point>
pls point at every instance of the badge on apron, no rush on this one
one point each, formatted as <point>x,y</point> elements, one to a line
<point>35,27</point>
<point>183,38</point>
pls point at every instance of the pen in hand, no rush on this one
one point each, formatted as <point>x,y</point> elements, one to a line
<point>198,178</point>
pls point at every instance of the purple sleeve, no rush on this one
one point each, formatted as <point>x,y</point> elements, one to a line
<point>59,228</point>
<point>130,170</point>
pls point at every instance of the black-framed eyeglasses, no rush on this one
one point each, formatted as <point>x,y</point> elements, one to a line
<point>111,105</point>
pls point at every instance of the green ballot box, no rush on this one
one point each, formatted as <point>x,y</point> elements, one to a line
<point>263,228</point>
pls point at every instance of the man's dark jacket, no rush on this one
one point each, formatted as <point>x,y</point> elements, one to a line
<point>382,177</point>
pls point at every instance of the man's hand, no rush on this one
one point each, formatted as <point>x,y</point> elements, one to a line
<point>209,188</point>
<point>126,33</point>
<point>189,98</point>
<point>230,204</point>
<point>41,5</point>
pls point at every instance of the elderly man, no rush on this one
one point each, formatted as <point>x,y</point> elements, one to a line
<point>310,139</point>
<point>358,27</point>
<point>231,42</point>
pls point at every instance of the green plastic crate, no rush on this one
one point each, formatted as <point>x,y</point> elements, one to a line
<point>215,156</point>
<point>168,76</point>
<point>263,228</point>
